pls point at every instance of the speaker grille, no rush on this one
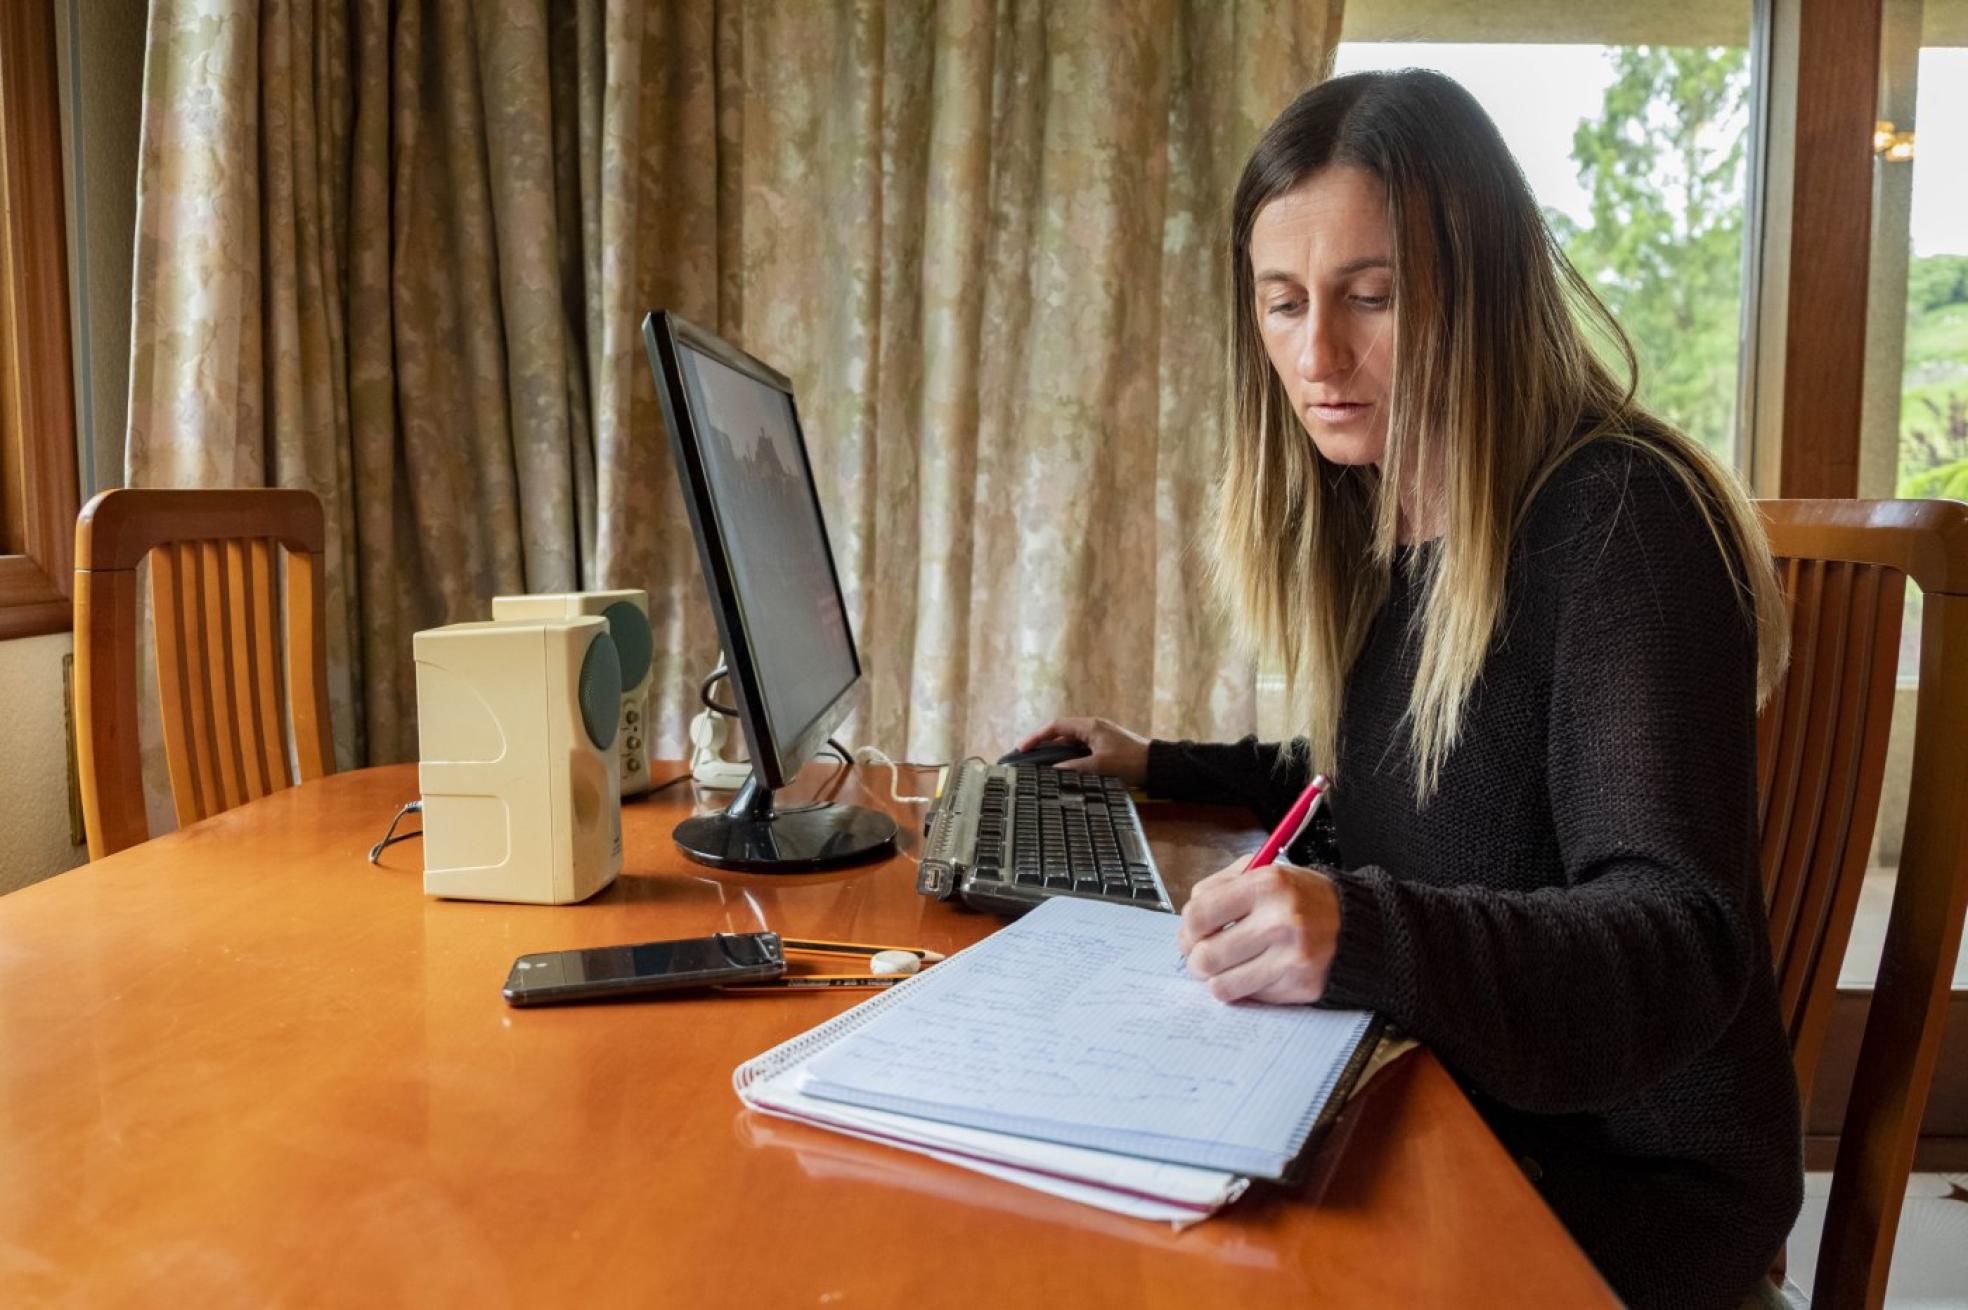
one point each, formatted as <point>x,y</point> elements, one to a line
<point>600,690</point>
<point>633,641</point>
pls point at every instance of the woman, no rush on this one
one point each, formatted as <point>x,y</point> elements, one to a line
<point>1528,624</point>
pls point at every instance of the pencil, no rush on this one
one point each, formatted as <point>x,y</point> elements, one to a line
<point>856,948</point>
<point>815,981</point>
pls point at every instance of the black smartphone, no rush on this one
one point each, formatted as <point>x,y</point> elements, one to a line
<point>554,977</point>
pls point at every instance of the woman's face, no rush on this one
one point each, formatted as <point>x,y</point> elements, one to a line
<point>1321,257</point>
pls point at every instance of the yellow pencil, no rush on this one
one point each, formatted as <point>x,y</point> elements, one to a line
<point>792,945</point>
<point>816,981</point>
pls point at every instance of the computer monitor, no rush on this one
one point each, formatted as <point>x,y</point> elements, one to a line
<point>741,461</point>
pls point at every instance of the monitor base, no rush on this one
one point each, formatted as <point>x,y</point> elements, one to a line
<point>751,836</point>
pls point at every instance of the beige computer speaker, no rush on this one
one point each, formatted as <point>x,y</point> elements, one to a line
<point>516,728</point>
<point>627,613</point>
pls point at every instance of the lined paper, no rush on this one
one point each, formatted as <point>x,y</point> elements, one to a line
<point>1079,1024</point>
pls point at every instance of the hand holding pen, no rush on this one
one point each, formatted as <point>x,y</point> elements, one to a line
<point>1297,819</point>
<point>1259,930</point>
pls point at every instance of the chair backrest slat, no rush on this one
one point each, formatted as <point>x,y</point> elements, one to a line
<point>1787,713</point>
<point>244,653</point>
<point>223,691</point>
<point>1820,768</point>
<point>308,686</point>
<point>1854,772</point>
<point>1837,705</point>
<point>181,684</point>
<point>267,695</point>
<point>215,605</point>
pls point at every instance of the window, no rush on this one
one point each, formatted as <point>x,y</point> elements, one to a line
<point>1930,455</point>
<point>1633,126</point>
<point>1916,423</point>
<point>1639,154</point>
<point>1933,445</point>
<point>37,424</point>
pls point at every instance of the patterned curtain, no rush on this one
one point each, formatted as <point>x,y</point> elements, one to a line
<point>398,251</point>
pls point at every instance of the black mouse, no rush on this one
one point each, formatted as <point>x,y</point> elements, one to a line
<point>1048,754</point>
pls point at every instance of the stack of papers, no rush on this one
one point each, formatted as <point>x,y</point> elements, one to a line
<point>1072,1052</point>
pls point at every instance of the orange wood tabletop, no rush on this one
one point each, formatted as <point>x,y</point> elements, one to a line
<point>239,1065</point>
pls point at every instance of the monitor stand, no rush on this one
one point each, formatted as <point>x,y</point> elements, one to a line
<point>752,836</point>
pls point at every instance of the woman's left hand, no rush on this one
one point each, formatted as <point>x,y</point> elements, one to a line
<point>1265,934</point>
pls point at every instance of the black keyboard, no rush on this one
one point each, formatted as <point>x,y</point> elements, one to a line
<point>1005,837</point>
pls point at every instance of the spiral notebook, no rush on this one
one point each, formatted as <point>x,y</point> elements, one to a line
<point>1077,1027</point>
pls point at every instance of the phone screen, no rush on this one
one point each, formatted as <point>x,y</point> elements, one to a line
<point>696,955</point>
<point>649,966</point>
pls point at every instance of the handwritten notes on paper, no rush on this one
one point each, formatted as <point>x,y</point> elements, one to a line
<point>1071,1026</point>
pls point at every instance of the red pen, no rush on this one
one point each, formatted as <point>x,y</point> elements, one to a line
<point>1295,821</point>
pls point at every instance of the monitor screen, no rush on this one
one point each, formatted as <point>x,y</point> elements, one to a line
<point>767,518</point>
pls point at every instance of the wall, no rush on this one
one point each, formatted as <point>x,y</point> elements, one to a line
<point>34,824</point>
<point>99,51</point>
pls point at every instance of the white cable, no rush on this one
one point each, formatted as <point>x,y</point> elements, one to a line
<point>709,733</point>
<point>869,755</point>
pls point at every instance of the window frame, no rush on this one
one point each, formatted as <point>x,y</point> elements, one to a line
<point>1803,407</point>
<point>38,492</point>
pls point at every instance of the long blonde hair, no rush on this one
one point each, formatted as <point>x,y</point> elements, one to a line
<point>1494,385</point>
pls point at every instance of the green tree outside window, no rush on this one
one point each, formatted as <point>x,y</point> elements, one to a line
<point>1934,386</point>
<point>1664,165</point>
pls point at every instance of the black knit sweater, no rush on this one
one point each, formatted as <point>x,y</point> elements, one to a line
<point>1573,923</point>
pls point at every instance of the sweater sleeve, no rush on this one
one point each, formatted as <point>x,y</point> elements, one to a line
<point>1247,772</point>
<point>1574,997</point>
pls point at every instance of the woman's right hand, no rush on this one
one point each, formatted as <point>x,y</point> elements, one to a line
<point>1112,749</point>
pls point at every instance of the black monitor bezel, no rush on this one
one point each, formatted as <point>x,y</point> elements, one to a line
<point>775,761</point>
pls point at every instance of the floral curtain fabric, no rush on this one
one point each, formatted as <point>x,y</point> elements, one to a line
<point>399,253</point>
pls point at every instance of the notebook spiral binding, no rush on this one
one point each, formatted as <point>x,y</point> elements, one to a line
<point>1328,1105</point>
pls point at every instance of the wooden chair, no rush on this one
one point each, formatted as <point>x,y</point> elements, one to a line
<point>215,604</point>
<point>1821,753</point>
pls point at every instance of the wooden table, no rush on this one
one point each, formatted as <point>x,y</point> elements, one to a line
<point>241,1066</point>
